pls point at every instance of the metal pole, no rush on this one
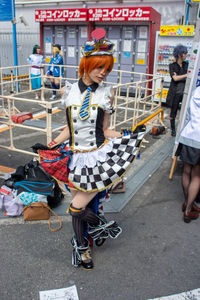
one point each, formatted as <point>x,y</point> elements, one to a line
<point>15,42</point>
<point>187,11</point>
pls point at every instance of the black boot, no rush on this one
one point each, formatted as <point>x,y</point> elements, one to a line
<point>81,255</point>
<point>173,129</point>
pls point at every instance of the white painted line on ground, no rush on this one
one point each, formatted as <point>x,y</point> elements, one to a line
<point>20,220</point>
<point>39,114</point>
<point>69,293</point>
<point>3,126</point>
<point>189,295</point>
<point>43,112</point>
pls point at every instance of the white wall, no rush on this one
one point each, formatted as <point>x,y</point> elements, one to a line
<point>171,12</point>
<point>29,15</point>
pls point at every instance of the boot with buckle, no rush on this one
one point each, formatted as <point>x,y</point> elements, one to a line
<point>81,255</point>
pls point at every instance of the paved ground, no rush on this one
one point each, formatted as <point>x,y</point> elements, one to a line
<point>156,255</point>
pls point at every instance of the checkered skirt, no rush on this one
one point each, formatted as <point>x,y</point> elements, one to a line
<point>104,174</point>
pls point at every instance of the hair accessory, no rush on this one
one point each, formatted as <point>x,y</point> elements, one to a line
<point>99,46</point>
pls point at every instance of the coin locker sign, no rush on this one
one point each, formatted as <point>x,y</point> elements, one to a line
<point>61,15</point>
<point>119,14</point>
<point>6,10</point>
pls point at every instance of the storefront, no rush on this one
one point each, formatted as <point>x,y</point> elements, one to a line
<point>132,29</point>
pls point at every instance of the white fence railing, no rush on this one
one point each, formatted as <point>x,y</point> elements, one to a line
<point>134,103</point>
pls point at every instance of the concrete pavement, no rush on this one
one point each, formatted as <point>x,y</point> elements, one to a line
<point>156,254</point>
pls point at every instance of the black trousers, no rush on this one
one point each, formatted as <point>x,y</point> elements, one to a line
<point>175,104</point>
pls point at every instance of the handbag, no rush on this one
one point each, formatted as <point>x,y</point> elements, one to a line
<point>12,209</point>
<point>40,211</point>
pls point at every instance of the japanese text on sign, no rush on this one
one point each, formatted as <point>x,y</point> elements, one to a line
<point>120,14</point>
<point>60,15</point>
<point>177,30</point>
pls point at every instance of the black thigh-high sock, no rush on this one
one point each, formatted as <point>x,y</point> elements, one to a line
<point>78,218</point>
<point>78,226</point>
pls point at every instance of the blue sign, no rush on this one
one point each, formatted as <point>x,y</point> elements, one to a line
<point>6,13</point>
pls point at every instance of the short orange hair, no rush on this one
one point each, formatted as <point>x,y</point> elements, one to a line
<point>87,64</point>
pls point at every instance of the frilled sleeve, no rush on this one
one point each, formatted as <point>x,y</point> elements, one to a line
<point>67,89</point>
<point>107,102</point>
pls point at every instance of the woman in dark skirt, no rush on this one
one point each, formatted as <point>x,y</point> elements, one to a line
<point>190,155</point>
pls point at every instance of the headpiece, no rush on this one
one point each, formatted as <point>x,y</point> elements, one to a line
<point>99,45</point>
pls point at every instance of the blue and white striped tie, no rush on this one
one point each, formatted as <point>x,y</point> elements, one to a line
<point>84,111</point>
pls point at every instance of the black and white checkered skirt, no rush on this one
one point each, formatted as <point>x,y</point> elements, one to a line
<point>104,174</point>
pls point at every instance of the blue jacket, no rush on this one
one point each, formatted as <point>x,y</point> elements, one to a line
<point>56,60</point>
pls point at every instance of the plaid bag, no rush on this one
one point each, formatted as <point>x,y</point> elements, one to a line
<point>55,161</point>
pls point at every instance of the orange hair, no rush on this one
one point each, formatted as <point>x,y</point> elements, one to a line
<point>87,64</point>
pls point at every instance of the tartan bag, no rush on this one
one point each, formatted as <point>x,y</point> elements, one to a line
<point>55,162</point>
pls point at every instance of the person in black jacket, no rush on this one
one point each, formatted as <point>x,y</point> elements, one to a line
<point>178,73</point>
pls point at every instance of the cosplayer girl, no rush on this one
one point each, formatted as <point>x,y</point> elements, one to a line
<point>190,155</point>
<point>54,70</point>
<point>100,156</point>
<point>36,59</point>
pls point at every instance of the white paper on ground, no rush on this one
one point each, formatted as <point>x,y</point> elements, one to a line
<point>69,293</point>
<point>189,295</point>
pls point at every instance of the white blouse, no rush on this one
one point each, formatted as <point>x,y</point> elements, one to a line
<point>84,131</point>
<point>190,134</point>
<point>35,60</point>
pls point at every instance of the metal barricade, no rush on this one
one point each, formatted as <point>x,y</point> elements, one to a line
<point>134,103</point>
